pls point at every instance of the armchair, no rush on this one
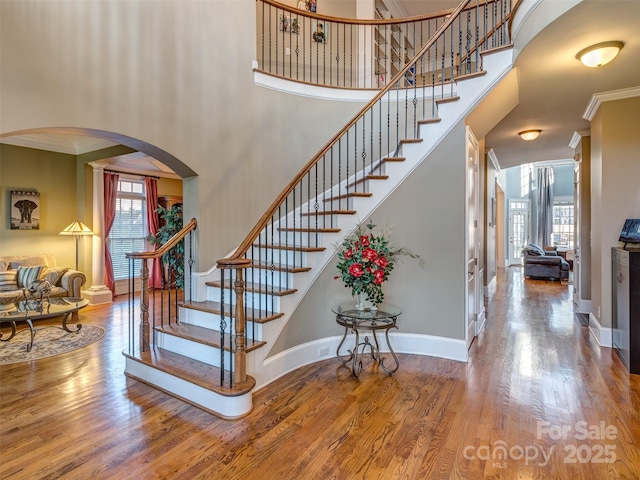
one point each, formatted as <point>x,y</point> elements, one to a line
<point>539,263</point>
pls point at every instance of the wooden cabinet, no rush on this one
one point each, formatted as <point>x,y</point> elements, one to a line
<point>625,306</point>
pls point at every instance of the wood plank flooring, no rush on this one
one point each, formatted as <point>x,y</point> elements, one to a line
<point>534,372</point>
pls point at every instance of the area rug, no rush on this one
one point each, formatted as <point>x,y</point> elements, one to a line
<point>49,341</point>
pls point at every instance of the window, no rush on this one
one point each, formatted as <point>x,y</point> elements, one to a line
<point>129,230</point>
<point>563,225</point>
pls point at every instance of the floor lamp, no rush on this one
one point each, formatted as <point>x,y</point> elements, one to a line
<point>77,229</point>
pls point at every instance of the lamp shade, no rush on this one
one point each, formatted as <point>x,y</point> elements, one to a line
<point>77,228</point>
<point>599,54</point>
<point>529,135</point>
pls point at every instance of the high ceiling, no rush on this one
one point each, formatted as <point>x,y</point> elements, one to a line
<point>554,88</point>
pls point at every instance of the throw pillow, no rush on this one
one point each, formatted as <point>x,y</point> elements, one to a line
<point>8,280</point>
<point>53,274</point>
<point>534,250</point>
<point>3,266</point>
<point>27,275</point>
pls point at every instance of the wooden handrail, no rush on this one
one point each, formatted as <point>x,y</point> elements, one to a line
<point>365,21</point>
<point>273,208</point>
<point>168,245</point>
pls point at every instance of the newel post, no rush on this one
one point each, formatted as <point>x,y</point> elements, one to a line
<point>145,334</point>
<point>240,357</point>
<point>239,346</point>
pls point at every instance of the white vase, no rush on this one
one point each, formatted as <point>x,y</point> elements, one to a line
<point>363,303</point>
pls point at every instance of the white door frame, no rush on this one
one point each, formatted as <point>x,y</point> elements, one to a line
<point>515,258</point>
<point>473,289</point>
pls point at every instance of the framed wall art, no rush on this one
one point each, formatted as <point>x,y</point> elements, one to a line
<point>319,34</point>
<point>25,210</point>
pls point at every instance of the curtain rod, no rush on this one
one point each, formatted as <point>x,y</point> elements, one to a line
<point>129,173</point>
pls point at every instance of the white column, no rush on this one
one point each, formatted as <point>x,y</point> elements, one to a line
<point>98,292</point>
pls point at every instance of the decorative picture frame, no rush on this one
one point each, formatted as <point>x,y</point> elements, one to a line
<point>25,210</point>
<point>320,31</point>
<point>288,24</point>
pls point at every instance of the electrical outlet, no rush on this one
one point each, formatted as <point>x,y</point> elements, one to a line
<point>323,352</point>
<point>598,311</point>
<point>287,51</point>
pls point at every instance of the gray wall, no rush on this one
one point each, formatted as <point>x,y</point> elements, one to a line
<point>615,195</point>
<point>427,215</point>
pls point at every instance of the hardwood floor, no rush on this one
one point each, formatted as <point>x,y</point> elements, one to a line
<point>533,373</point>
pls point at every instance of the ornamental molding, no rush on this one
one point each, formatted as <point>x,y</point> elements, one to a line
<point>598,98</point>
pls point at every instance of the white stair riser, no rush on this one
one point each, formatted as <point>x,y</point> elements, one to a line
<point>340,204</point>
<point>321,221</point>
<point>265,276</point>
<point>227,407</point>
<point>303,239</point>
<point>191,349</point>
<point>212,321</point>
<point>279,256</point>
<point>261,301</point>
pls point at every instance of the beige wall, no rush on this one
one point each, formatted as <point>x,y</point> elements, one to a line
<point>53,175</point>
<point>615,194</point>
<point>177,75</point>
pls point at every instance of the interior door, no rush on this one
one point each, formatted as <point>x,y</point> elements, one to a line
<point>518,229</point>
<point>472,247</point>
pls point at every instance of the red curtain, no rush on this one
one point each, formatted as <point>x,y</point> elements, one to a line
<point>153,221</point>
<point>110,196</point>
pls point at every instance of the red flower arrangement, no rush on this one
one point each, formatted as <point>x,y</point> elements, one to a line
<point>366,259</point>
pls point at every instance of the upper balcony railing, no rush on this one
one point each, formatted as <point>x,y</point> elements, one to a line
<point>363,54</point>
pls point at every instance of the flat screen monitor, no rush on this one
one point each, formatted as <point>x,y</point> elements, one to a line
<point>631,231</point>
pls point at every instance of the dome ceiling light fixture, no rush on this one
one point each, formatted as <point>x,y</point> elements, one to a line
<point>528,135</point>
<point>599,54</point>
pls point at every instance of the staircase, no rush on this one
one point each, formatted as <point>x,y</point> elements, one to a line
<point>214,356</point>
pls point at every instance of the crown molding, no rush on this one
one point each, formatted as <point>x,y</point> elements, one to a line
<point>494,159</point>
<point>579,135</point>
<point>598,98</point>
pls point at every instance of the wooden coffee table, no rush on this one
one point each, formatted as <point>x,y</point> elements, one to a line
<point>29,310</point>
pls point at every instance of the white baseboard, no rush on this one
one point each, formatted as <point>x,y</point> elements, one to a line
<point>325,348</point>
<point>582,306</point>
<point>480,322</point>
<point>604,336</point>
<point>490,289</point>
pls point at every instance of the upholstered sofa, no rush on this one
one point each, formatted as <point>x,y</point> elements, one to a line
<point>539,263</point>
<point>17,273</point>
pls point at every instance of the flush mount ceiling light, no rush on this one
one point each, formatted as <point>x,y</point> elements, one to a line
<point>599,54</point>
<point>529,135</point>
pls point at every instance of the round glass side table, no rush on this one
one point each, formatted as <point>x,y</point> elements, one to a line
<point>357,321</point>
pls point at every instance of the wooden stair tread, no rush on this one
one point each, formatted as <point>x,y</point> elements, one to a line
<point>206,336</point>
<point>369,178</point>
<point>347,195</point>
<point>290,247</point>
<point>329,212</point>
<point>411,140</point>
<point>447,99</point>
<point>393,159</point>
<point>310,229</point>
<point>277,267</point>
<point>429,121</point>
<point>193,371</point>
<point>252,314</point>
<point>467,76</point>
<point>256,288</point>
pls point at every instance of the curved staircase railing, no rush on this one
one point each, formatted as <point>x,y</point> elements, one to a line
<point>259,272</point>
<point>165,308</point>
<point>351,53</point>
